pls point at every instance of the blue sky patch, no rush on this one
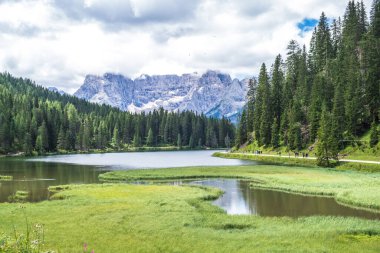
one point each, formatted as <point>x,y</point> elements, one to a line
<point>307,25</point>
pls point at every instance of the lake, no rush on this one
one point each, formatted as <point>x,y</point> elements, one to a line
<point>240,198</point>
<point>35,175</point>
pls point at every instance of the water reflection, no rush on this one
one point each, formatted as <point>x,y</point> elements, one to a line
<point>145,160</point>
<point>239,198</point>
<point>36,177</point>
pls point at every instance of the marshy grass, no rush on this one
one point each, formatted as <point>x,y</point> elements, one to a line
<point>357,189</point>
<point>6,178</point>
<point>19,196</point>
<point>167,218</point>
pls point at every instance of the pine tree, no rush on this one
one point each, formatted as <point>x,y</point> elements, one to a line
<point>241,134</point>
<point>323,46</point>
<point>326,148</point>
<point>28,147</point>
<point>338,115</point>
<point>179,141</point>
<point>277,88</point>
<point>192,142</point>
<point>115,138</point>
<point>275,142</point>
<point>374,137</point>
<point>61,142</point>
<point>263,134</point>
<point>227,141</point>
<point>137,140</point>
<point>150,138</point>
<point>42,142</point>
<point>252,85</point>
<point>214,140</point>
<point>86,140</point>
<point>200,143</point>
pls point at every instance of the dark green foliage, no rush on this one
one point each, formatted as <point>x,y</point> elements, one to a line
<point>179,141</point>
<point>374,137</point>
<point>263,109</point>
<point>150,138</point>
<point>339,75</point>
<point>241,133</point>
<point>35,119</point>
<point>327,145</point>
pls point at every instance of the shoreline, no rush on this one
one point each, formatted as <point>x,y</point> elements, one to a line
<point>132,150</point>
<point>344,164</point>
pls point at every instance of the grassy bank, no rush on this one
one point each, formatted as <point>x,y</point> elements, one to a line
<point>291,161</point>
<point>349,187</point>
<point>152,218</point>
<point>6,178</point>
<point>357,149</point>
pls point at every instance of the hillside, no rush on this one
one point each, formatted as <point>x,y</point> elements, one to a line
<point>324,98</point>
<point>34,119</point>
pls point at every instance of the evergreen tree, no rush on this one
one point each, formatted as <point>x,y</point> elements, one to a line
<point>227,141</point>
<point>150,138</point>
<point>263,130</point>
<point>115,138</point>
<point>326,148</point>
<point>42,142</point>
<point>251,103</point>
<point>61,142</point>
<point>374,137</point>
<point>241,134</point>
<point>277,88</point>
<point>137,140</point>
<point>191,142</point>
<point>179,141</point>
<point>275,134</point>
<point>338,118</point>
<point>28,147</point>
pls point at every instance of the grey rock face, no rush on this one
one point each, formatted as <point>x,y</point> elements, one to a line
<point>213,93</point>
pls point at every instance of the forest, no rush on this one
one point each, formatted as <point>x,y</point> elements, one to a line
<point>324,97</point>
<point>34,120</point>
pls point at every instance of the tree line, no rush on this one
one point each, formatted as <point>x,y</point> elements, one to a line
<point>34,119</point>
<point>323,97</point>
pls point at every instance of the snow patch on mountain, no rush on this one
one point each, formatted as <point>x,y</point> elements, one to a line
<point>213,93</point>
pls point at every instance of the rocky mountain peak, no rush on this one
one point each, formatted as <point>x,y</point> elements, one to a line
<point>213,93</point>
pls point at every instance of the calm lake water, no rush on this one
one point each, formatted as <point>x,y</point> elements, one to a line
<point>35,175</point>
<point>240,198</point>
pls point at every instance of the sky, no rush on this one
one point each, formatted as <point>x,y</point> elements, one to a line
<point>58,42</point>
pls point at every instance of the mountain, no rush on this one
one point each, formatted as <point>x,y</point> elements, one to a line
<point>54,89</point>
<point>213,93</point>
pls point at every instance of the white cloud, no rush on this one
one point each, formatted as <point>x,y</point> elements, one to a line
<point>58,42</point>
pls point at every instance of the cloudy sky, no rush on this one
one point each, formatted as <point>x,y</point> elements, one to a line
<point>58,42</point>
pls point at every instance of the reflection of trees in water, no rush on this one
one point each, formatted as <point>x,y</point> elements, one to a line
<point>24,172</point>
<point>275,203</point>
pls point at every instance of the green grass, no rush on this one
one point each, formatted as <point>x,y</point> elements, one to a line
<point>285,160</point>
<point>349,187</point>
<point>356,150</point>
<point>162,218</point>
<point>19,196</point>
<point>282,160</point>
<point>6,178</point>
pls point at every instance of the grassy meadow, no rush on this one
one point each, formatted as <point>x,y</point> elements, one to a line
<point>115,217</point>
<point>162,218</point>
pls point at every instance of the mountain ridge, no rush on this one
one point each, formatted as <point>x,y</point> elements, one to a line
<point>212,93</point>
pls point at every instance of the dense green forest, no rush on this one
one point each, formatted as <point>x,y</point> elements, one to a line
<point>322,98</point>
<point>34,119</point>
